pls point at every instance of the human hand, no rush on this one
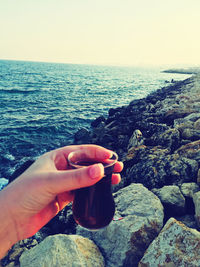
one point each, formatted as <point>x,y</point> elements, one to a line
<point>46,187</point>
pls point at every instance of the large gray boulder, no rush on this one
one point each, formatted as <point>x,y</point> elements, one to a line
<point>172,199</point>
<point>176,245</point>
<point>124,241</point>
<point>63,251</point>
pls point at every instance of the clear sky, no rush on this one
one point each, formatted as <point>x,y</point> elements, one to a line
<point>116,32</point>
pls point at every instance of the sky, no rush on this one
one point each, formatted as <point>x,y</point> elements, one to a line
<point>108,32</point>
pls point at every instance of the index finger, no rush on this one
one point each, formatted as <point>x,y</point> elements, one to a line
<point>87,151</point>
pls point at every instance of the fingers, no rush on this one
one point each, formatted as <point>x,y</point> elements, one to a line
<point>118,166</point>
<point>116,178</point>
<point>96,154</point>
<point>64,199</point>
<point>91,151</point>
<point>60,155</point>
<point>61,181</point>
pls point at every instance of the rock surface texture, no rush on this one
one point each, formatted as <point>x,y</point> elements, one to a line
<point>61,251</point>
<point>176,245</point>
<point>172,199</point>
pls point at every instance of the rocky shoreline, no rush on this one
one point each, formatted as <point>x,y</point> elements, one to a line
<point>194,70</point>
<point>158,200</point>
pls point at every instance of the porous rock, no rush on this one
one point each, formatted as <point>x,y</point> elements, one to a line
<point>196,199</point>
<point>191,150</point>
<point>189,189</point>
<point>197,124</point>
<point>191,134</point>
<point>97,121</point>
<point>172,199</point>
<point>193,117</point>
<point>182,124</point>
<point>62,223</point>
<point>169,138</point>
<point>151,128</point>
<point>188,220</point>
<point>13,255</point>
<point>124,241</point>
<point>176,245</point>
<point>82,136</point>
<point>176,113</point>
<point>63,250</point>
<point>155,167</point>
<point>198,177</point>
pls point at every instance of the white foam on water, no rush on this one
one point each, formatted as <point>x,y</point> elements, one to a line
<point>3,183</point>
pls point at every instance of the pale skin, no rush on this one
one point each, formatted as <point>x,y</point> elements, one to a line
<point>44,189</point>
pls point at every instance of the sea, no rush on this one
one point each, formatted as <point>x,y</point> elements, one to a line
<point>42,105</point>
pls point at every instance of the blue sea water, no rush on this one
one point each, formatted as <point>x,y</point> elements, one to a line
<point>42,105</point>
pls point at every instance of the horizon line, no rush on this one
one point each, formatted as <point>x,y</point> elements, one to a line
<point>106,64</point>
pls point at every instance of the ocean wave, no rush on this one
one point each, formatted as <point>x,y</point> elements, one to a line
<point>22,91</point>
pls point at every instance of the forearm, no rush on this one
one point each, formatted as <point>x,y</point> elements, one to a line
<point>5,242</point>
<point>7,231</point>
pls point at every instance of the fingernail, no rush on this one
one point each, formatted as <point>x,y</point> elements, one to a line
<point>96,171</point>
<point>108,154</point>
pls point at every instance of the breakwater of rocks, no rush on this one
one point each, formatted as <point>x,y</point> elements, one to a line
<point>158,200</point>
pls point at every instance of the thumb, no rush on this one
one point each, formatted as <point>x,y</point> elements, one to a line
<point>61,181</point>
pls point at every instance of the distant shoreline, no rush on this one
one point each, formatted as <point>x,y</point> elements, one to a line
<point>183,71</point>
